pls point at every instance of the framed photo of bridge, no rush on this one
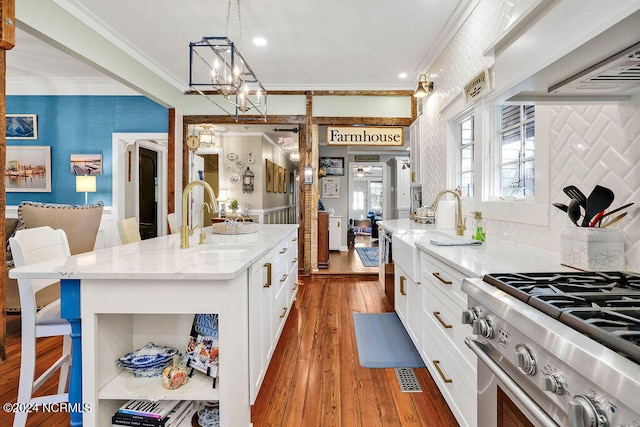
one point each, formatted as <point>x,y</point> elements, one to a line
<point>28,169</point>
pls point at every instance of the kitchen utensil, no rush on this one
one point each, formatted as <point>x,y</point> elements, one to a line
<point>599,199</point>
<point>573,210</point>
<point>575,193</point>
<point>596,218</point>
<point>561,206</point>
<point>616,210</point>
<point>614,220</point>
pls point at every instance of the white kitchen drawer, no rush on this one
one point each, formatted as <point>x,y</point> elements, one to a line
<point>438,274</point>
<point>446,319</point>
<point>454,382</point>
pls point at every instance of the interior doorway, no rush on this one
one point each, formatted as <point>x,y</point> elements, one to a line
<point>367,184</point>
<point>148,193</point>
<point>139,181</point>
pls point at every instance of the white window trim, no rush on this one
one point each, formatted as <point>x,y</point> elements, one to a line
<point>536,211</point>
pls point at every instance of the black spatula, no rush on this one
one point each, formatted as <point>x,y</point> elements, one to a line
<point>575,193</point>
<point>599,200</point>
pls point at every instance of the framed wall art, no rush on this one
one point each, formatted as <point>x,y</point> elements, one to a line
<point>330,188</point>
<point>276,178</point>
<point>86,164</point>
<point>332,165</point>
<point>269,174</point>
<point>283,180</point>
<point>21,126</point>
<point>28,169</point>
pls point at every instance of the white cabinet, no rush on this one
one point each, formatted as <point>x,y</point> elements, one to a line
<point>273,284</point>
<point>407,303</point>
<point>415,140</point>
<point>335,233</point>
<point>403,183</point>
<point>403,186</point>
<point>451,363</point>
<point>261,343</point>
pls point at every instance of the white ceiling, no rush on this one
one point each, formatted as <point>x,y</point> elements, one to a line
<point>322,45</point>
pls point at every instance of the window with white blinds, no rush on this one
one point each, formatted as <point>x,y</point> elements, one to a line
<point>517,151</point>
<point>466,156</point>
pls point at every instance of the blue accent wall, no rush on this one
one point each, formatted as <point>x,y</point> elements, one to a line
<point>82,125</point>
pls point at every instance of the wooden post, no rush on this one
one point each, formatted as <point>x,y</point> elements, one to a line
<point>7,41</point>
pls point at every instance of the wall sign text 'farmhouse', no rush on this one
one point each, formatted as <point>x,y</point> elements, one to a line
<point>348,135</point>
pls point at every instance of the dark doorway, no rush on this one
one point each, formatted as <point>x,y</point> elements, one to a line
<point>148,181</point>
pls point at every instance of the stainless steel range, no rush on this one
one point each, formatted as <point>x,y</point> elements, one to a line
<point>563,347</point>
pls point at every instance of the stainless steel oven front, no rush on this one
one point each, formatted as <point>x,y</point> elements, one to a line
<point>534,370</point>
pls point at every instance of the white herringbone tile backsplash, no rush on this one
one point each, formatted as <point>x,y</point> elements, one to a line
<point>589,144</point>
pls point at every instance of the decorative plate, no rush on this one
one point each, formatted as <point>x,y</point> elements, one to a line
<point>240,164</point>
<point>235,178</point>
<point>148,361</point>
<point>232,156</point>
<point>250,159</point>
<point>229,167</point>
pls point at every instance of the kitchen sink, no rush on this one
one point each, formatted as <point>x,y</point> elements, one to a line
<point>230,248</point>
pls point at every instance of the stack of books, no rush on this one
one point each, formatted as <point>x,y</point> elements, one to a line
<point>145,413</point>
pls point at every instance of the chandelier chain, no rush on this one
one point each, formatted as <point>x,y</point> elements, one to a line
<point>226,27</point>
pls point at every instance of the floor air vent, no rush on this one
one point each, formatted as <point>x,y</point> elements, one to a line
<point>407,380</point>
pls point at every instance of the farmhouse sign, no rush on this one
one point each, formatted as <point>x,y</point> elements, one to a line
<point>357,135</point>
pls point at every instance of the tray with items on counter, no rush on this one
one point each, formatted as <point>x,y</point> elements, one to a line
<point>234,226</point>
<point>424,215</point>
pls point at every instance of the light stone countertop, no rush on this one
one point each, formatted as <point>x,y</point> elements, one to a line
<point>222,257</point>
<point>492,256</point>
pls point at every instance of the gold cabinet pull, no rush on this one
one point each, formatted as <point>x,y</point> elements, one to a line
<point>437,276</point>
<point>295,239</point>
<point>283,250</point>
<point>436,363</point>
<point>295,287</point>
<point>284,277</point>
<point>268,265</point>
<point>402,291</point>
<point>284,312</point>
<point>442,322</point>
<point>293,261</point>
<point>413,177</point>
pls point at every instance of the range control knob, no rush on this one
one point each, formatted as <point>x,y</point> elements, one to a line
<point>525,360</point>
<point>552,383</point>
<point>482,326</point>
<point>468,316</point>
<point>586,412</point>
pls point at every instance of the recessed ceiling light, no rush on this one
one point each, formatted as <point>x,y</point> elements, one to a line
<point>259,41</point>
<point>402,75</point>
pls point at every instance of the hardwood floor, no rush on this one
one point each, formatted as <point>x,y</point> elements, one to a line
<point>314,378</point>
<point>348,262</point>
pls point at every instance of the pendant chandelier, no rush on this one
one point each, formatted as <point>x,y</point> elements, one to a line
<point>219,72</point>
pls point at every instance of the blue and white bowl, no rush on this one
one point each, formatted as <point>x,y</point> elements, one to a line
<point>148,361</point>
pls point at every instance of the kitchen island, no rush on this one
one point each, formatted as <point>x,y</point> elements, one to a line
<point>118,299</point>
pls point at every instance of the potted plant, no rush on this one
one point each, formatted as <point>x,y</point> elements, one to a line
<point>233,206</point>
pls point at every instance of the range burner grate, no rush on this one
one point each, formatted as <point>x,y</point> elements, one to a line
<point>604,306</point>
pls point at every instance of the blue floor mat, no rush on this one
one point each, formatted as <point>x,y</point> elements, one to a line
<point>383,342</point>
<point>368,256</point>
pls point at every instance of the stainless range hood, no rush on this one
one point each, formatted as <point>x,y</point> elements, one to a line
<point>618,74</point>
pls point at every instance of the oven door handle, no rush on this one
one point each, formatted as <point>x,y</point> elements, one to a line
<point>530,405</point>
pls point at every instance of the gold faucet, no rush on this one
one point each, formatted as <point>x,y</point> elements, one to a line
<point>184,228</point>
<point>461,225</point>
